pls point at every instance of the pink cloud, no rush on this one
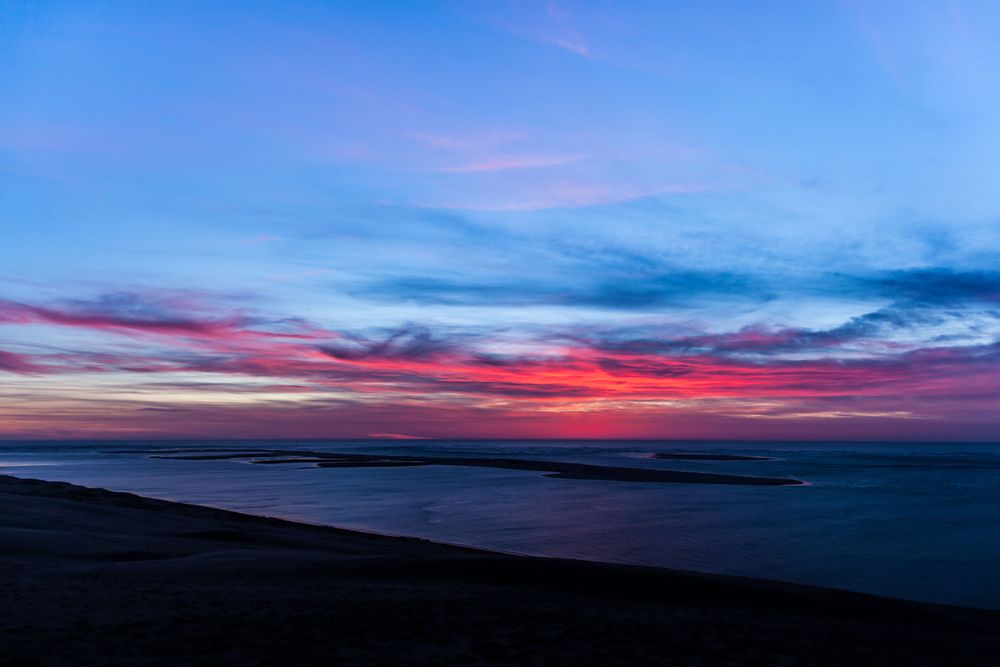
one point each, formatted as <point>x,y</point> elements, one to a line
<point>502,163</point>
<point>415,381</point>
<point>175,317</point>
<point>17,363</point>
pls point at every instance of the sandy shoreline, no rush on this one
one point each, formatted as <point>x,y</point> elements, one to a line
<point>96,577</point>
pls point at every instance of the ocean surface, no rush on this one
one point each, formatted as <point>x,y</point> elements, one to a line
<point>909,520</point>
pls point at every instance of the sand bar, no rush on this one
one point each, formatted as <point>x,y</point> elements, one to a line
<point>557,469</point>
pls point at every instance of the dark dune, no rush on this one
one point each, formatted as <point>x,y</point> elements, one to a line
<point>709,457</point>
<point>556,469</point>
<point>91,577</point>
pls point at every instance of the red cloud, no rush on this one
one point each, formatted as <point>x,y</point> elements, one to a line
<point>412,374</point>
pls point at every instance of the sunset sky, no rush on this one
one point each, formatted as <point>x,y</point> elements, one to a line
<point>500,219</point>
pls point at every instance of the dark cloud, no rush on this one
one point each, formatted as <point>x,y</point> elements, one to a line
<point>639,283</point>
<point>937,286</point>
<point>115,311</point>
<point>757,340</point>
<point>610,291</point>
<point>411,342</point>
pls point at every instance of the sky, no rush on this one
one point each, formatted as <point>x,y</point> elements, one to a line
<point>664,220</point>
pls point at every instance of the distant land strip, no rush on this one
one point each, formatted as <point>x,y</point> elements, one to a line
<point>556,469</point>
<point>684,456</point>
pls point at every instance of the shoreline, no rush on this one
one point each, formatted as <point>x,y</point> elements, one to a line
<point>76,557</point>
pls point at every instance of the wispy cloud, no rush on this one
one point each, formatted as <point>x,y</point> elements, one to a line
<point>411,342</point>
<point>566,34</point>
<point>550,23</point>
<point>567,194</point>
<point>155,314</point>
<point>508,163</point>
<point>415,359</point>
<point>17,363</point>
<point>469,141</point>
<point>417,375</point>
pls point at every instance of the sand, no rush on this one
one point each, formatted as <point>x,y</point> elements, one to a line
<point>93,577</point>
<point>555,469</point>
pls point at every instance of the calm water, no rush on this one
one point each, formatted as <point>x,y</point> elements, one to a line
<point>919,521</point>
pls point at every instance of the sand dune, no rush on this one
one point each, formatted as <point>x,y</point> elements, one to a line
<point>94,577</point>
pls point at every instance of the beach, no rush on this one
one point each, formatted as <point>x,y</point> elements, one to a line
<point>96,577</point>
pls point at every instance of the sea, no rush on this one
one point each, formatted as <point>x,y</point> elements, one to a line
<point>919,521</point>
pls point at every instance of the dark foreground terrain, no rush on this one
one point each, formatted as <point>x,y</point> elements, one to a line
<point>90,577</point>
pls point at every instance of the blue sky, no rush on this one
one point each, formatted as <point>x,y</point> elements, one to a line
<point>537,183</point>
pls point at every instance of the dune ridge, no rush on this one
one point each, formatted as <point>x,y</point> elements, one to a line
<point>97,577</point>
